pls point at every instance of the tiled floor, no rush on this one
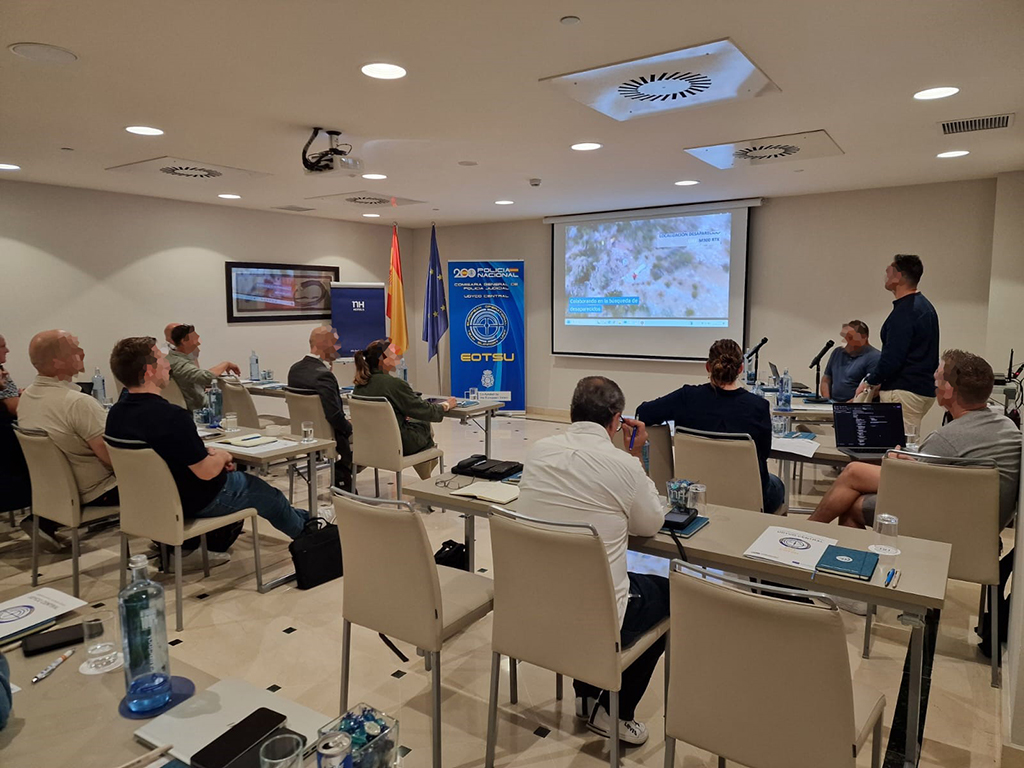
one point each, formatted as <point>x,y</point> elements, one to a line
<point>290,641</point>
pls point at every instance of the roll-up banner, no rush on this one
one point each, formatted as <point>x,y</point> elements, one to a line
<point>486,303</point>
<point>357,315</point>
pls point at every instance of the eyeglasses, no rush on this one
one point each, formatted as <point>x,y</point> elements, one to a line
<point>449,482</point>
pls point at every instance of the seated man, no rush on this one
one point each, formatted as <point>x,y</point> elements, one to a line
<point>580,476</point>
<point>848,365</point>
<point>73,420</point>
<point>963,383</point>
<point>206,478</point>
<point>313,373</point>
<point>190,378</point>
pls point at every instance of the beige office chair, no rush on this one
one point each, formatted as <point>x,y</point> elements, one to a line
<point>725,462</point>
<point>377,441</point>
<point>306,406</point>
<point>659,453</point>
<point>151,509</point>
<point>238,400</point>
<point>172,394</point>
<point>955,501</point>
<point>55,496</point>
<point>554,606</point>
<point>393,586</point>
<point>761,681</point>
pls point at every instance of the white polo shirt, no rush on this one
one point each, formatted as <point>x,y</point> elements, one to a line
<point>579,476</point>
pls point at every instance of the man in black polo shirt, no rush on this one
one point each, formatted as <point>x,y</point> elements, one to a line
<point>206,478</point>
<point>910,344</point>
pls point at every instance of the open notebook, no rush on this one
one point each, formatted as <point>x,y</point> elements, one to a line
<point>499,493</point>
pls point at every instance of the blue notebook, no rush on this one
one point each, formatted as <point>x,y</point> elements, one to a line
<point>852,563</point>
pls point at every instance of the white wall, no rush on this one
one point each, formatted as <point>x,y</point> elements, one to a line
<point>1006,296</point>
<point>105,265</point>
<point>814,262</point>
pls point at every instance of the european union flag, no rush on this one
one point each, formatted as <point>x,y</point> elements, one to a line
<point>435,308</point>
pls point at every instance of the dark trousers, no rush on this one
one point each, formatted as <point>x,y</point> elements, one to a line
<point>343,465</point>
<point>648,604</point>
<point>774,494</point>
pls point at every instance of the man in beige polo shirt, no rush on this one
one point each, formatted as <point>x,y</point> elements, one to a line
<point>73,420</point>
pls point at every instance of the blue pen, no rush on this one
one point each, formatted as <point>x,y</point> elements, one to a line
<point>632,437</point>
<point>892,572</point>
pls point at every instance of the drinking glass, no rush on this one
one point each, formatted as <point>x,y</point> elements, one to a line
<point>912,437</point>
<point>886,535</point>
<point>99,631</point>
<point>200,417</point>
<point>697,498</point>
<point>307,432</point>
<point>779,425</point>
<point>230,422</point>
<point>282,751</point>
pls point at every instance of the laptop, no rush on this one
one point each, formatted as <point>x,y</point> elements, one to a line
<point>797,386</point>
<point>865,431</point>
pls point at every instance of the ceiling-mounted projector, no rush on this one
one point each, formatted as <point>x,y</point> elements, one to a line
<point>334,159</point>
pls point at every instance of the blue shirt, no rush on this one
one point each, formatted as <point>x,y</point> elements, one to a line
<point>910,347</point>
<point>846,371</point>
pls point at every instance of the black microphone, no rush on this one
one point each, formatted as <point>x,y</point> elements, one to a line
<point>828,345</point>
<point>754,350</point>
<point>1017,372</point>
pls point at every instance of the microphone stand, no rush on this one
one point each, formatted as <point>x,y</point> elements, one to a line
<point>817,386</point>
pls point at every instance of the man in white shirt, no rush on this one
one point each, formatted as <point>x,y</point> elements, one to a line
<point>580,476</point>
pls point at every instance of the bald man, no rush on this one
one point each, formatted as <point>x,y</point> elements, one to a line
<point>169,346</point>
<point>73,420</point>
<point>313,374</point>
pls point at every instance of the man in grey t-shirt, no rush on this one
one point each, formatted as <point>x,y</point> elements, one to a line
<point>963,384</point>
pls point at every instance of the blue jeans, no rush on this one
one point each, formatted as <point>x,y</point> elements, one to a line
<point>242,491</point>
<point>774,494</point>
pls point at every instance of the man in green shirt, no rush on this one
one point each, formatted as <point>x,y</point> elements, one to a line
<point>190,378</point>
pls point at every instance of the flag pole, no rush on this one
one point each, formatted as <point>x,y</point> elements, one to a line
<point>439,382</point>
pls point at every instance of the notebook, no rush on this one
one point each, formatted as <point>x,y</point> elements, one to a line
<point>789,547</point>
<point>852,563</point>
<point>34,611</point>
<point>499,493</point>
<point>248,441</point>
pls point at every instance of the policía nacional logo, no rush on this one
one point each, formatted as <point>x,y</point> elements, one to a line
<point>459,272</point>
<point>794,543</point>
<point>487,325</point>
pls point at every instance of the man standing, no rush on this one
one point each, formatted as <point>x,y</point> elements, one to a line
<point>910,344</point>
<point>848,365</point>
<point>313,373</point>
<point>190,378</point>
<point>73,420</point>
<point>580,476</point>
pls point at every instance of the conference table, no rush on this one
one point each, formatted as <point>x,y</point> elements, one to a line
<point>924,567</point>
<point>485,408</point>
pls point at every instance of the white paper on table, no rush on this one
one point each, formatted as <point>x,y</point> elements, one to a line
<point>256,450</point>
<point>789,547</point>
<point>798,446</point>
<point>823,407</point>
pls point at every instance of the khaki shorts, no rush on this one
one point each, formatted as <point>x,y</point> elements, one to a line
<point>914,406</point>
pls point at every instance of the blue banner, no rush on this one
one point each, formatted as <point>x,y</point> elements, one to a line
<point>486,307</point>
<point>357,315</point>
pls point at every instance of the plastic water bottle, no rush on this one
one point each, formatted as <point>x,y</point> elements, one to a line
<point>758,389</point>
<point>784,401</point>
<point>216,403</point>
<point>147,669</point>
<point>99,387</point>
<point>751,375</point>
<point>254,366</point>
<point>402,371</point>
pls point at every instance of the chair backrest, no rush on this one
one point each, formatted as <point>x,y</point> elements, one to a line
<point>150,504</point>
<point>238,400</point>
<point>376,439</point>
<point>554,601</point>
<point>754,679</point>
<point>304,405</point>
<point>725,462</point>
<point>118,388</point>
<point>391,582</point>
<point>955,501</point>
<point>54,490</point>
<point>172,393</point>
<point>660,453</point>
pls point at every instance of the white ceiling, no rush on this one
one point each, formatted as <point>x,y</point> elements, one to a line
<point>239,83</point>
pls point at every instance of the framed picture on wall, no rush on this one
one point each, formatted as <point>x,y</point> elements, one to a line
<point>259,292</point>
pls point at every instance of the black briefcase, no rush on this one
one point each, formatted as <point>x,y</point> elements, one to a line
<point>316,554</point>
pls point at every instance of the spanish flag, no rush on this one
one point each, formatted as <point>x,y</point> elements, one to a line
<point>396,298</point>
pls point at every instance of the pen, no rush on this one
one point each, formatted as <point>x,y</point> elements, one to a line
<point>896,581</point>
<point>56,663</point>
<point>892,572</point>
<point>632,438</point>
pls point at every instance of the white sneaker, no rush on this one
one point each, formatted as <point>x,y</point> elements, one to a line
<point>326,512</point>
<point>855,607</point>
<point>193,561</point>
<point>584,706</point>
<point>631,732</point>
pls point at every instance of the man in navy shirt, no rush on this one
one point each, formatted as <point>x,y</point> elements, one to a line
<point>848,365</point>
<point>207,482</point>
<point>910,344</point>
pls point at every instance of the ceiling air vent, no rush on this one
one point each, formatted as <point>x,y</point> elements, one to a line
<point>190,172</point>
<point>181,168</point>
<point>370,200</point>
<point>364,198</point>
<point>665,87</point>
<point>971,124</point>
<point>292,208</point>
<point>766,151</point>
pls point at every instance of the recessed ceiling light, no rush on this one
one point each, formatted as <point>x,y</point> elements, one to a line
<point>687,183</point>
<point>382,71</point>
<point>954,153</point>
<point>374,176</point>
<point>570,20</point>
<point>936,93</point>
<point>586,146</point>
<point>42,52</point>
<point>9,167</point>
<point>230,197</point>
<point>144,130</point>
<point>371,215</point>
<point>504,202</point>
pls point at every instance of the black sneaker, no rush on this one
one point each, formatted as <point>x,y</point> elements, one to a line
<point>47,534</point>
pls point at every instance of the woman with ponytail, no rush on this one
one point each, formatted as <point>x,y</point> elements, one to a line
<point>722,405</point>
<point>373,378</point>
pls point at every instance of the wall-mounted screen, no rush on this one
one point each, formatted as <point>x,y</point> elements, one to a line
<point>260,292</point>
